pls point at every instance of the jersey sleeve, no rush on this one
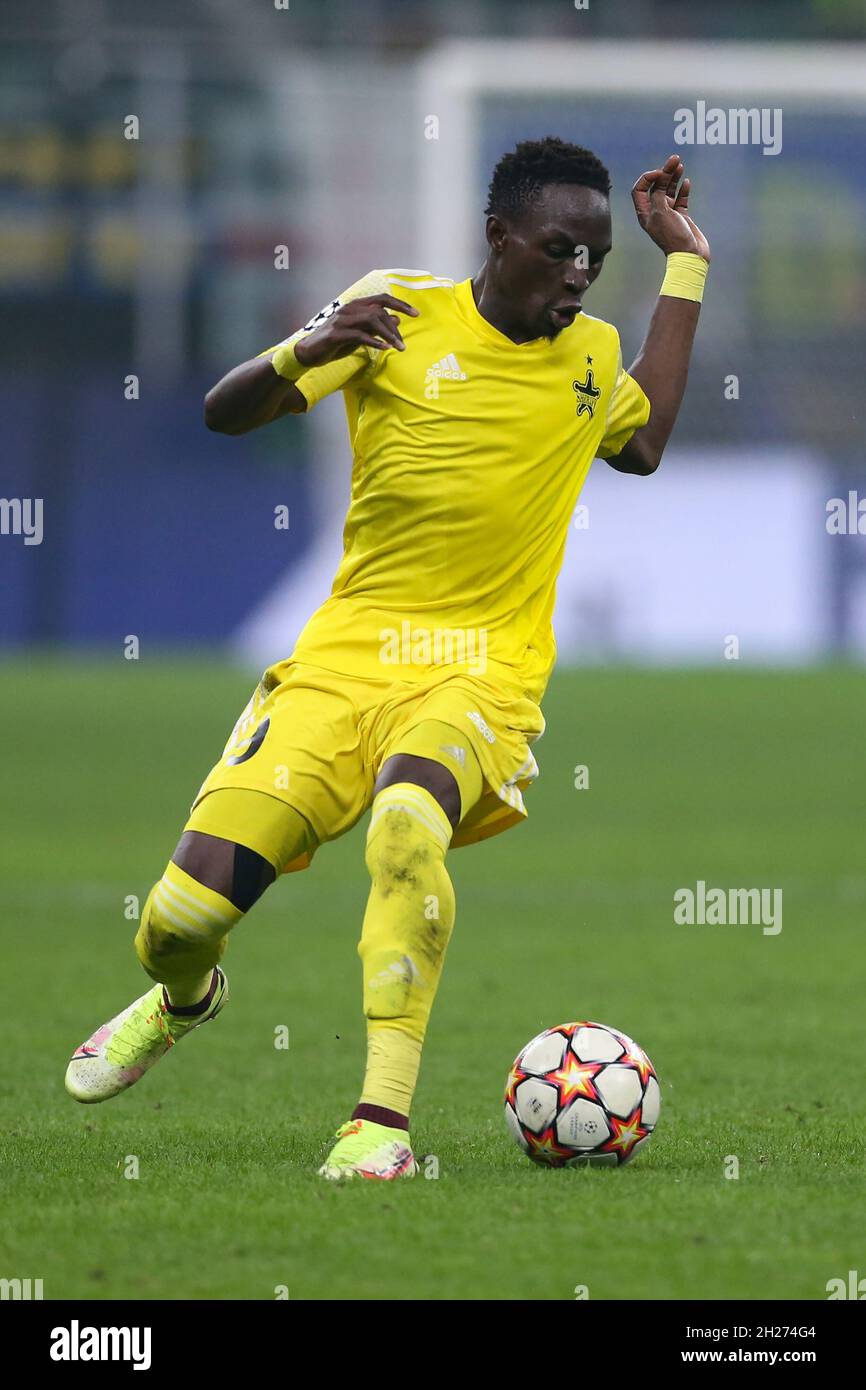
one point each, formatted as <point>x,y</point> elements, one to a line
<point>629,410</point>
<point>319,382</point>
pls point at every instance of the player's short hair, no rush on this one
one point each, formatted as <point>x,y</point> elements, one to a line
<point>520,176</point>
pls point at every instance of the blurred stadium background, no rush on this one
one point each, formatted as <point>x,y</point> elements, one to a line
<point>307,127</point>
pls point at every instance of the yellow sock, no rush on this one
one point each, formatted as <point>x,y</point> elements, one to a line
<point>393,1060</point>
<point>407,926</point>
<point>191,992</point>
<point>182,934</point>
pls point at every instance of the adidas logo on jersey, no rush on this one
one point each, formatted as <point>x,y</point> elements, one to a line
<point>448,369</point>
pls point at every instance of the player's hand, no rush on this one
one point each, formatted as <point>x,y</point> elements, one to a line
<point>365,322</point>
<point>662,206</point>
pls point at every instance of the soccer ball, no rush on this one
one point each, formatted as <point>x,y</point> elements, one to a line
<point>582,1093</point>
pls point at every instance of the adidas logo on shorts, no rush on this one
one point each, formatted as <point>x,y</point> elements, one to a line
<point>481,725</point>
<point>458,754</point>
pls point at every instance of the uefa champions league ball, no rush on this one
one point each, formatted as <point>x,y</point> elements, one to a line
<point>582,1093</point>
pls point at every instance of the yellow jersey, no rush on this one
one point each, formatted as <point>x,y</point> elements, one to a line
<point>470,452</point>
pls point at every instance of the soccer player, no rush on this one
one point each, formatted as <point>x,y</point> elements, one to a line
<point>475,410</point>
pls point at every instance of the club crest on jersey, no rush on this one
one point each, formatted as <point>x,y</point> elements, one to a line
<point>587,392</point>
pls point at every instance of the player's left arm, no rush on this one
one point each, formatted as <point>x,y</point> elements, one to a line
<point>661,367</point>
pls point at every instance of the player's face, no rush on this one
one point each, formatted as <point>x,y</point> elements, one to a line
<point>550,254</point>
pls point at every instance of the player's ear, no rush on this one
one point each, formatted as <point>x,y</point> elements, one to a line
<point>496,232</point>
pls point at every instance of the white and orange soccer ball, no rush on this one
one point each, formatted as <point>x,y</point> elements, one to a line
<point>582,1093</point>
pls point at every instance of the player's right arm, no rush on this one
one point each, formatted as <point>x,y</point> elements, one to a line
<point>320,358</point>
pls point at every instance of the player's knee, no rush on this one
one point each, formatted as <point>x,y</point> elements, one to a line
<point>183,926</point>
<point>406,840</point>
<point>412,887</point>
<point>430,776</point>
<point>160,948</point>
<point>235,872</point>
<point>398,861</point>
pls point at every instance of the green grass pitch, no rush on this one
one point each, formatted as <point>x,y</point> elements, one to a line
<point>741,778</point>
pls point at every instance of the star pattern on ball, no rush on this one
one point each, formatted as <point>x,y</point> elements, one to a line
<point>573,1078</point>
<point>516,1074</point>
<point>624,1134</point>
<point>546,1148</point>
<point>637,1058</point>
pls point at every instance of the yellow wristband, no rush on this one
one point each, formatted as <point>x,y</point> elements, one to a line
<point>685,276</point>
<point>286,364</point>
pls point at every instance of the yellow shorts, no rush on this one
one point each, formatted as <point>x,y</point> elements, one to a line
<point>316,739</point>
